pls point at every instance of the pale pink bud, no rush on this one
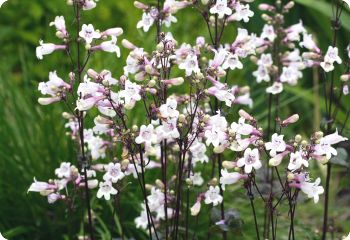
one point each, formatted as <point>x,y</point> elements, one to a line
<point>127,44</point>
<point>174,81</point>
<point>47,101</point>
<point>113,32</point>
<point>292,119</point>
<point>140,5</point>
<point>266,7</point>
<point>245,115</point>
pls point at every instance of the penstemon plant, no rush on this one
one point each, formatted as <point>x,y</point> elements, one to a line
<point>190,126</point>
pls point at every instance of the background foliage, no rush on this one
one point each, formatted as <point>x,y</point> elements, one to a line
<point>33,141</point>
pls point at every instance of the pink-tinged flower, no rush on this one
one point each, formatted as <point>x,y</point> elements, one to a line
<point>85,104</point>
<point>290,74</point>
<point>330,58</point>
<point>250,160</point>
<point>146,22</point>
<point>268,33</point>
<point>41,186</point>
<point>229,178</point>
<point>88,33</point>
<point>106,190</point>
<point>297,161</point>
<point>277,144</point>
<point>241,127</point>
<point>47,48</point>
<point>89,4</point>
<point>190,65</point>
<point>130,94</point>
<point>114,173</point>
<point>262,74</point>
<point>309,43</point>
<point>275,88</point>
<point>155,199</point>
<point>277,159</point>
<point>325,145</point>
<point>243,12</point>
<point>172,6</point>
<point>212,196</point>
<point>232,62</point>
<point>221,9</point>
<point>223,95</point>
<point>53,197</point>
<point>54,87</point>
<point>142,220</point>
<point>60,25</point>
<point>64,171</point>
<point>169,109</point>
<point>146,135</point>
<point>168,130</point>
<point>312,190</point>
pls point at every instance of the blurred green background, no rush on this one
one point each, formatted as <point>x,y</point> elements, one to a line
<point>32,137</point>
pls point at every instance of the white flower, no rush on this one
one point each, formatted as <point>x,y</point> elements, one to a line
<point>250,160</point>
<point>325,148</point>
<point>168,130</point>
<point>60,25</point>
<point>290,74</point>
<point>347,2</point>
<point>155,199</point>
<point>327,66</point>
<point>265,60</point>
<point>268,33</point>
<point>243,12</point>
<point>114,173</point>
<point>1,237</point>
<point>347,237</point>
<point>241,127</point>
<point>228,178</point>
<point>196,208</point>
<point>53,86</point>
<point>297,161</point>
<point>213,196</point>
<point>88,33</point>
<point>332,55</point>
<point>146,135</point>
<point>146,22</point>
<point>169,109</point>
<point>40,186</point>
<point>1,3</point>
<point>106,190</point>
<point>89,4</point>
<point>142,220</point>
<point>313,190</point>
<point>223,95</point>
<point>308,42</point>
<point>197,179</point>
<point>64,170</point>
<point>232,61</point>
<point>111,46</point>
<point>221,9</point>
<point>131,94</point>
<point>190,64</point>
<point>277,144</point>
<point>46,49</point>
<point>275,88</point>
<point>262,74</point>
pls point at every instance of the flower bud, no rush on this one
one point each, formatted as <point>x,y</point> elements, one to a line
<point>204,2</point>
<point>297,138</point>
<point>140,5</point>
<point>292,119</point>
<point>245,115</point>
<point>189,181</point>
<point>229,164</point>
<point>159,184</point>
<point>195,209</point>
<point>128,44</point>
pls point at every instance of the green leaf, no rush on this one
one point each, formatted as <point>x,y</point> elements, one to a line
<point>326,9</point>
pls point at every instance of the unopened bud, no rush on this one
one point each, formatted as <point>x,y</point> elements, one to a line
<point>159,184</point>
<point>229,164</point>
